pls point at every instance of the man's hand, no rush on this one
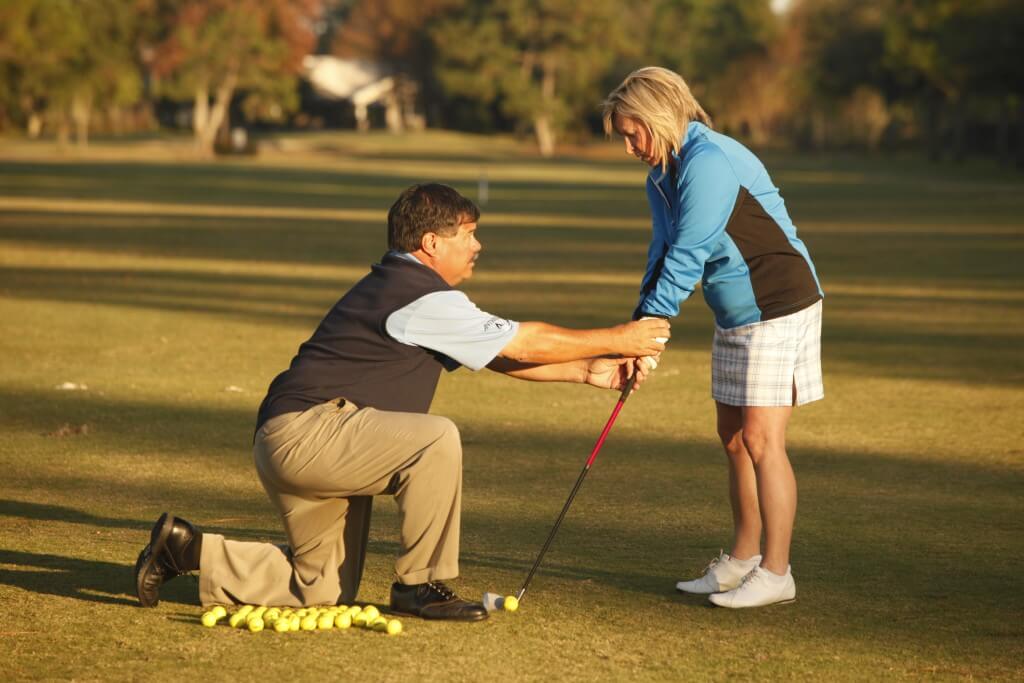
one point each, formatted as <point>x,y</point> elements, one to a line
<point>645,337</point>
<point>613,373</point>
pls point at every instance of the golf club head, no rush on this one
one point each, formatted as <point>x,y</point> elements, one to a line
<point>493,602</point>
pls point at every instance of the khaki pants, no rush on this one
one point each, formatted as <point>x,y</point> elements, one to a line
<point>321,469</point>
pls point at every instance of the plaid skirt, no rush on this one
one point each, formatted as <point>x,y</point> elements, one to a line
<point>771,363</point>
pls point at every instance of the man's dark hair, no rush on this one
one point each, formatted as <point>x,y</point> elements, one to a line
<point>430,207</point>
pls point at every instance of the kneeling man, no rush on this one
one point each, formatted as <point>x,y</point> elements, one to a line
<point>348,421</point>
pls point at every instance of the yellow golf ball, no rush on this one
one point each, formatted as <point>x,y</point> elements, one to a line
<point>394,627</point>
<point>325,621</point>
<point>219,611</point>
<point>308,623</point>
<point>282,625</point>
<point>371,612</point>
<point>359,619</point>
<point>511,603</point>
<point>343,620</point>
<point>256,625</point>
<point>295,623</point>
<point>209,619</point>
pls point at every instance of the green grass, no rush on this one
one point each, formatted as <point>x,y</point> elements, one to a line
<point>159,282</point>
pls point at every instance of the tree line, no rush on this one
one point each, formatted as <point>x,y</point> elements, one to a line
<point>947,75</point>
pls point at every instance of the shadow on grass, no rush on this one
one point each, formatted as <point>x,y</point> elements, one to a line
<point>305,299</point>
<point>942,349</point>
<point>69,577</point>
<point>45,512</point>
<point>634,519</point>
<point>104,582</point>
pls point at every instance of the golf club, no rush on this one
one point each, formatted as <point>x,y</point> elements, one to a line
<point>493,601</point>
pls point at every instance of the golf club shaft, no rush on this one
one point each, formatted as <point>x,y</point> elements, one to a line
<point>626,391</point>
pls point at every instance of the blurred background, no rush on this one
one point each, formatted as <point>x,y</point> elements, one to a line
<point>944,78</point>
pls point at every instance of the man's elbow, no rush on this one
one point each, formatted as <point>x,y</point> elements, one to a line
<point>521,348</point>
<point>516,352</point>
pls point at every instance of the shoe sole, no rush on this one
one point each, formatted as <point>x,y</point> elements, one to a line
<point>479,617</point>
<point>157,543</point>
<point>770,604</point>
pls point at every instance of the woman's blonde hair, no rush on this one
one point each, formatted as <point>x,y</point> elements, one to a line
<point>659,99</point>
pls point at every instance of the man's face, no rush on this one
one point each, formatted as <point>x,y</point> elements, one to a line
<point>637,137</point>
<point>457,254</point>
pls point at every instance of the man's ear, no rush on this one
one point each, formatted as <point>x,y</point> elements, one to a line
<point>428,243</point>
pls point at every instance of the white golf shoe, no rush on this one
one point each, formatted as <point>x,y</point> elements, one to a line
<point>724,573</point>
<point>759,588</point>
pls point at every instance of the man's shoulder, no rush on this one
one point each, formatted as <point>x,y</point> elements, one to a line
<point>443,299</point>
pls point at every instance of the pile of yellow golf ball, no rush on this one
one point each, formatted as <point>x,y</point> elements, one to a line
<point>282,620</point>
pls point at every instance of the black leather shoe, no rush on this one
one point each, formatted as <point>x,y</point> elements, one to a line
<point>434,600</point>
<point>174,549</point>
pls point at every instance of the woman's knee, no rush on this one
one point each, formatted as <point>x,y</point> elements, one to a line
<point>732,442</point>
<point>761,443</point>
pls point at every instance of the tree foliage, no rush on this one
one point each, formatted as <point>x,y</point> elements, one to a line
<point>209,49</point>
<point>61,58</point>
<point>826,71</point>
<point>539,60</point>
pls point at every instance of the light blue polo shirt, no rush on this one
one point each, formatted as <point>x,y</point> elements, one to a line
<point>449,323</point>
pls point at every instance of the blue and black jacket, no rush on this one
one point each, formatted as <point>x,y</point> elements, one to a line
<point>718,219</point>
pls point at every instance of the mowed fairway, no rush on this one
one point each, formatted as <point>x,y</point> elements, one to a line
<point>174,291</point>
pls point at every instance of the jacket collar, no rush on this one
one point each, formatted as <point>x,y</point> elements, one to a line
<point>692,131</point>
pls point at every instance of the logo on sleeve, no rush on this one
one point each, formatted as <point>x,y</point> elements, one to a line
<point>495,323</point>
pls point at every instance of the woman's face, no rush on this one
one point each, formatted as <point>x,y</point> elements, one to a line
<point>637,137</point>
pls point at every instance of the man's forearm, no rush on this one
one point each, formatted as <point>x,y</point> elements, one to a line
<point>571,371</point>
<point>538,342</point>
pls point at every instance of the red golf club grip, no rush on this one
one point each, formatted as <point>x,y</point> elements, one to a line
<point>611,420</point>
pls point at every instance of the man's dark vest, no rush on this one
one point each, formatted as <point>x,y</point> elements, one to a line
<point>351,355</point>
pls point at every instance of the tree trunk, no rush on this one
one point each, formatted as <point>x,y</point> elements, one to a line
<point>63,129</point>
<point>362,119</point>
<point>200,115</point>
<point>393,113</point>
<point>215,116</point>
<point>35,125</point>
<point>543,126</point>
<point>545,135</point>
<point>81,112</point>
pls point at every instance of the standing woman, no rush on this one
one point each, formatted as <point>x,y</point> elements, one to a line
<point>719,220</point>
